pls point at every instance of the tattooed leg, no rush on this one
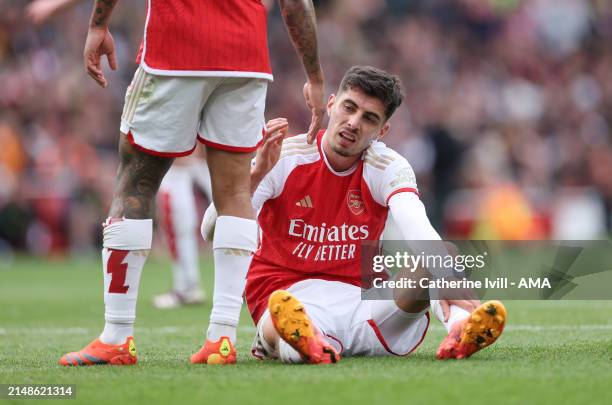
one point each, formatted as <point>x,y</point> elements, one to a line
<point>127,243</point>
<point>138,179</point>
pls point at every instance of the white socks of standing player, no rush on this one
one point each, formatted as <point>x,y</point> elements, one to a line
<point>234,242</point>
<point>456,314</point>
<point>127,243</point>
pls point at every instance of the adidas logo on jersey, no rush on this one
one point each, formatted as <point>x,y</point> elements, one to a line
<point>305,202</point>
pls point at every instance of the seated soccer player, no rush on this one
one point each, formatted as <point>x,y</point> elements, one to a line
<point>316,205</point>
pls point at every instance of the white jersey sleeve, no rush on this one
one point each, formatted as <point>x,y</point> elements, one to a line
<point>265,190</point>
<point>409,214</point>
<point>387,173</point>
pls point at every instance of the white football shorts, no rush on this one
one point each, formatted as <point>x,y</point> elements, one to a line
<point>165,115</point>
<point>347,321</point>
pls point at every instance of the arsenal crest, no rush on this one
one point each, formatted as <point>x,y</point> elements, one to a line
<point>354,201</point>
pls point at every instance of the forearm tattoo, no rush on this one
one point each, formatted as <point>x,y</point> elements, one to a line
<point>300,19</point>
<point>101,12</point>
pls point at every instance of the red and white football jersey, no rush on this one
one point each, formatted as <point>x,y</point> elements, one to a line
<point>314,219</point>
<point>225,38</point>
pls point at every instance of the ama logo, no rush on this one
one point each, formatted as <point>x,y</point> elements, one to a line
<point>355,202</point>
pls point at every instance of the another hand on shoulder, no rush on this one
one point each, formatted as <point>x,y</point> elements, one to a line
<point>269,152</point>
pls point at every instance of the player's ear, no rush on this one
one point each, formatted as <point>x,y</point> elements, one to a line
<point>384,130</point>
<point>330,103</point>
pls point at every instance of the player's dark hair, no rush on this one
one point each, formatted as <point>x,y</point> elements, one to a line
<point>377,83</point>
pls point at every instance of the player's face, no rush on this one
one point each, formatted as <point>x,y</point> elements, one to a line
<point>355,121</point>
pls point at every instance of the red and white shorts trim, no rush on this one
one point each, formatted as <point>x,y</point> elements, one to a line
<point>165,115</point>
<point>340,314</point>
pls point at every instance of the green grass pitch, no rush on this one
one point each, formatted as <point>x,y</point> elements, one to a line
<point>551,352</point>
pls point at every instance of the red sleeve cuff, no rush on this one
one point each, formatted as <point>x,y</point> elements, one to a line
<point>402,190</point>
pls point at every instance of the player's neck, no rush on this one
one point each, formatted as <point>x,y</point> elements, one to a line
<point>337,162</point>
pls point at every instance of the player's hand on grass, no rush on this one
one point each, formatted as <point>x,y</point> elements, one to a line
<point>99,42</point>
<point>468,305</point>
<point>314,94</point>
<point>269,152</point>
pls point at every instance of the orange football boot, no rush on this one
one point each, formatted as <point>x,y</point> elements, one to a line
<point>100,353</point>
<point>295,327</point>
<point>479,330</point>
<point>220,352</point>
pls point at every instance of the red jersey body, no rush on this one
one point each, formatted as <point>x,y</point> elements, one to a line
<point>206,38</point>
<point>313,219</point>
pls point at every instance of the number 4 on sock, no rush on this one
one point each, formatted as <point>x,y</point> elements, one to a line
<point>118,270</point>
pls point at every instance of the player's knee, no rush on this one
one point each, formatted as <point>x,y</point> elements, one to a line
<point>236,203</point>
<point>140,172</point>
<point>138,178</point>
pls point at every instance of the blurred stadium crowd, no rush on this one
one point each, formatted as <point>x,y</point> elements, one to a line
<point>507,118</point>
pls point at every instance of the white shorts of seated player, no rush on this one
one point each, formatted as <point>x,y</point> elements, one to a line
<point>164,115</point>
<point>354,326</point>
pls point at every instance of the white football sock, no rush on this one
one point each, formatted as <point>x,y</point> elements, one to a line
<point>268,348</point>
<point>127,243</point>
<point>288,354</point>
<point>392,321</point>
<point>456,314</point>
<point>116,333</point>
<point>217,330</point>
<point>234,242</point>
<point>178,218</point>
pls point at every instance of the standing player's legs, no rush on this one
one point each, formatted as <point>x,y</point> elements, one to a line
<point>231,129</point>
<point>177,213</point>
<point>127,241</point>
<point>234,242</point>
<point>127,235</point>
<point>235,237</point>
<point>159,122</point>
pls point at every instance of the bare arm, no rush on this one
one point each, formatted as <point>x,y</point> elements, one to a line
<point>409,214</point>
<point>300,20</point>
<point>40,11</point>
<point>99,41</point>
<point>101,13</point>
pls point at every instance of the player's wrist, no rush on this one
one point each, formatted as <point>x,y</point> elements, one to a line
<point>96,28</point>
